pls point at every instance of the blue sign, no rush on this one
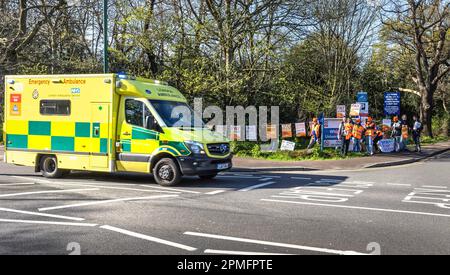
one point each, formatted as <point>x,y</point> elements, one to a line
<point>387,145</point>
<point>392,103</point>
<point>362,97</point>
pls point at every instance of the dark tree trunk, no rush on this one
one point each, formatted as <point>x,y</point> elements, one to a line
<point>426,109</point>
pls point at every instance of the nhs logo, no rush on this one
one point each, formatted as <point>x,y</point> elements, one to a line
<point>75,91</point>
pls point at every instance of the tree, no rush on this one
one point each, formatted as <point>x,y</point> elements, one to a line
<point>422,27</point>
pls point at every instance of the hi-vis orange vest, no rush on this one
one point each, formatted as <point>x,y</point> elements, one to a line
<point>405,133</point>
<point>348,132</point>
<point>371,130</point>
<point>358,131</point>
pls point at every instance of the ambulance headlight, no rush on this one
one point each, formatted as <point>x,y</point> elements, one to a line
<point>195,147</point>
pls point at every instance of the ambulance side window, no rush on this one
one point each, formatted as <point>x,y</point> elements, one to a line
<point>134,112</point>
<point>55,107</point>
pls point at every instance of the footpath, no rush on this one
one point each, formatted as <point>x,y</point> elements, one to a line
<point>379,160</point>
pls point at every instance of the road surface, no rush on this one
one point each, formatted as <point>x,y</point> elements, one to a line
<point>399,210</point>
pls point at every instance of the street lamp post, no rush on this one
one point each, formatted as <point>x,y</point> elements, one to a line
<point>105,38</point>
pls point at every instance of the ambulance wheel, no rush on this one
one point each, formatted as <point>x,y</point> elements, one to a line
<point>167,172</point>
<point>49,167</point>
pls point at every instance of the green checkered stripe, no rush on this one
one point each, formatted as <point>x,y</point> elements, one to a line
<point>139,135</point>
<point>39,129</point>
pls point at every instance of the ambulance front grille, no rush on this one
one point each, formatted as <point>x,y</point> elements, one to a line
<point>219,149</point>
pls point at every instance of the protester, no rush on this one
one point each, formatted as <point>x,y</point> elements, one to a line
<point>347,136</point>
<point>315,133</point>
<point>417,131</point>
<point>358,132</point>
<point>378,136</point>
<point>396,133</point>
<point>405,133</point>
<point>370,135</point>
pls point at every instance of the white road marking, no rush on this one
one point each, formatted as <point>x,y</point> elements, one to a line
<point>19,183</point>
<point>216,192</point>
<point>105,201</point>
<point>300,178</point>
<point>256,186</point>
<point>112,188</point>
<point>32,179</point>
<point>293,246</point>
<point>148,238</point>
<point>40,214</point>
<point>265,179</point>
<point>361,208</point>
<point>399,184</point>
<point>49,223</point>
<point>48,192</point>
<point>228,252</point>
<point>435,187</point>
<point>172,189</point>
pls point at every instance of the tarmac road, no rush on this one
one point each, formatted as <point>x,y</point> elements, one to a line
<point>399,210</point>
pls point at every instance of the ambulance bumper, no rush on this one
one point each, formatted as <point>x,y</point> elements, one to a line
<point>204,165</point>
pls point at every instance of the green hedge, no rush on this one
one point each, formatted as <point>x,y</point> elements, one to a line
<point>253,150</point>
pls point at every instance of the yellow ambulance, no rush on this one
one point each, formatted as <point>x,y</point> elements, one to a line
<point>108,123</point>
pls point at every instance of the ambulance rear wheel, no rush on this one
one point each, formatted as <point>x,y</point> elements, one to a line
<point>167,172</point>
<point>49,167</point>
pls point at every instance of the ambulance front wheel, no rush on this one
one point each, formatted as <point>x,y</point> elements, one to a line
<point>49,168</point>
<point>167,172</point>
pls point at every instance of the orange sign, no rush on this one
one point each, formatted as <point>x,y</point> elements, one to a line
<point>286,130</point>
<point>15,105</point>
<point>271,132</point>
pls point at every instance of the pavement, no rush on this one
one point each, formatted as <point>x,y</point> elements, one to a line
<point>391,210</point>
<point>379,160</point>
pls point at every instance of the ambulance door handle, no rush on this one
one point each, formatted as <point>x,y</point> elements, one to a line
<point>126,134</point>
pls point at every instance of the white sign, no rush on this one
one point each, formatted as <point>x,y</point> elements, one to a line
<point>355,109</point>
<point>387,122</point>
<point>364,112</point>
<point>330,132</point>
<point>340,111</point>
<point>287,146</point>
<point>251,134</point>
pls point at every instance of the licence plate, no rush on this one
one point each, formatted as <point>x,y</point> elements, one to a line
<point>223,166</point>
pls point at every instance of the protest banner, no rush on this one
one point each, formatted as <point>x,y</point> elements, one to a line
<point>271,132</point>
<point>387,145</point>
<point>330,132</point>
<point>386,125</point>
<point>287,146</point>
<point>235,132</point>
<point>392,103</point>
<point>300,129</point>
<point>355,110</point>
<point>341,111</point>
<point>286,130</point>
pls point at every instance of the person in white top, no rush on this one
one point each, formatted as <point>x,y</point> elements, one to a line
<point>417,131</point>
